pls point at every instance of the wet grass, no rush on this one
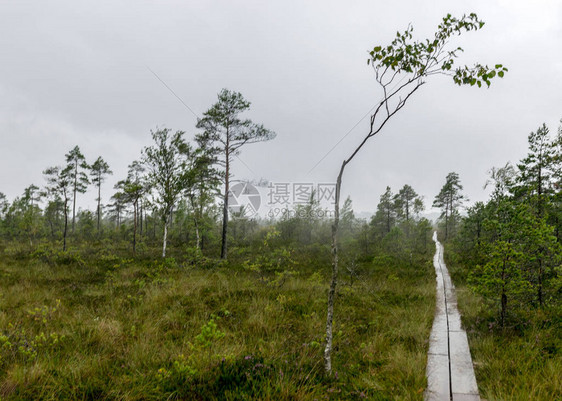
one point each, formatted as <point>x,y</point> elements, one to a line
<point>522,361</point>
<point>109,328</point>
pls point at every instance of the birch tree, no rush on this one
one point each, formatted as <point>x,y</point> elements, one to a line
<point>401,69</point>
<point>166,164</point>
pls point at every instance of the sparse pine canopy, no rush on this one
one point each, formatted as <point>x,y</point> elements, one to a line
<point>386,212</point>
<point>76,165</point>
<point>133,189</point>
<point>407,202</point>
<point>98,172</point>
<point>224,133</point>
<point>224,127</point>
<point>59,186</point>
<point>449,200</point>
<point>536,169</point>
<point>3,204</point>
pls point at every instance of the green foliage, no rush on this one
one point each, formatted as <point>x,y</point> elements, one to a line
<point>511,244</point>
<point>166,165</point>
<point>52,256</point>
<point>224,134</point>
<point>273,264</point>
<point>449,200</point>
<point>209,333</point>
<point>501,277</point>
<point>430,57</point>
<point>147,328</point>
<point>518,361</point>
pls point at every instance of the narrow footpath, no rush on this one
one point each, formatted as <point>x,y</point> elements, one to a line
<point>450,374</point>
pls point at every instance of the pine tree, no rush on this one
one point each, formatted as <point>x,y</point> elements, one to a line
<point>226,132</point>
<point>449,200</point>
<point>405,201</point>
<point>98,172</point>
<point>535,171</point>
<point>76,164</point>
<point>60,185</point>
<point>385,216</point>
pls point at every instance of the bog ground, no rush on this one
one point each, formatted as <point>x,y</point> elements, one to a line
<point>99,326</point>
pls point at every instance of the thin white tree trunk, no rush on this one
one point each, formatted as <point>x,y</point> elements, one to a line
<point>165,239</point>
<point>198,245</point>
<point>334,281</point>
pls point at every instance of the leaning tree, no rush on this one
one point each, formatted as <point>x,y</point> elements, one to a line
<point>401,68</point>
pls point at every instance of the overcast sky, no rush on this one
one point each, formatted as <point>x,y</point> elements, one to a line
<point>77,73</point>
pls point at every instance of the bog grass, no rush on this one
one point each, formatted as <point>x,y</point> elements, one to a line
<point>523,360</point>
<point>95,326</point>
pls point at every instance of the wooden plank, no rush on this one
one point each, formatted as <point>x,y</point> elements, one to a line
<point>450,374</point>
<point>463,380</point>
<point>438,388</point>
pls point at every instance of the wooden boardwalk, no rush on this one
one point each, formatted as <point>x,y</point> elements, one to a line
<point>450,375</point>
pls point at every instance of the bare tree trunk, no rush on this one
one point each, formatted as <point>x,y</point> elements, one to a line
<point>225,204</point>
<point>334,282</point>
<point>140,217</point>
<point>65,224</point>
<point>135,207</point>
<point>540,290</point>
<point>446,223</point>
<point>99,204</point>
<point>224,223</point>
<point>74,201</point>
<point>372,132</point>
<point>197,236</point>
<point>165,237</point>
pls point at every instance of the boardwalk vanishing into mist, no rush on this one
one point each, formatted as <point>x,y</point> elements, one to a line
<point>450,374</point>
